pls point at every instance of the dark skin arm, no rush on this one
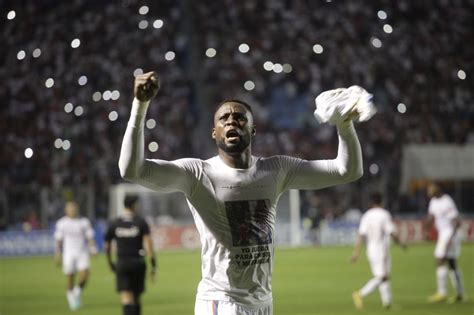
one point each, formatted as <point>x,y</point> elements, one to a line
<point>108,254</point>
<point>148,245</point>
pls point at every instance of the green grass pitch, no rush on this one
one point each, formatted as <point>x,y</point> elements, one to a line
<point>305,281</point>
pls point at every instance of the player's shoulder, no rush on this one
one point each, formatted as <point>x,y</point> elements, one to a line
<point>277,161</point>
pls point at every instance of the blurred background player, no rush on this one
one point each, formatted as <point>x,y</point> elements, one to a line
<point>74,241</point>
<point>132,236</point>
<point>442,211</point>
<point>376,227</point>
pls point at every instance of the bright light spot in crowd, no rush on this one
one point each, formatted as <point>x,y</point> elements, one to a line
<point>211,52</point>
<point>377,43</point>
<point>113,115</point>
<point>268,65</point>
<point>153,146</point>
<point>28,153</point>
<point>66,145</point>
<point>387,28</point>
<point>244,48</point>
<point>461,75</point>
<point>402,108</point>
<point>143,24</point>
<point>150,123</point>
<point>382,14</point>
<point>21,55</point>
<point>58,143</point>
<point>107,95</point>
<point>277,68</point>
<point>11,15</point>
<point>318,49</point>
<point>249,85</point>
<point>170,55</point>
<point>373,169</point>
<point>143,10</point>
<point>287,68</point>
<point>49,83</point>
<point>78,111</point>
<point>96,96</point>
<point>115,95</point>
<point>36,53</point>
<point>76,43</point>
<point>158,23</point>
<point>137,72</point>
<point>82,80</point>
<point>68,107</point>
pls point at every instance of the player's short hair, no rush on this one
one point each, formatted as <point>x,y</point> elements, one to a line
<point>130,201</point>
<point>376,198</point>
<point>234,100</point>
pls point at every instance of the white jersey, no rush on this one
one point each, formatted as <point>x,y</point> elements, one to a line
<point>234,209</point>
<point>74,233</point>
<point>444,210</point>
<point>377,226</point>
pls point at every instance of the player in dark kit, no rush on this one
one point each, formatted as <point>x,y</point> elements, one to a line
<point>132,236</point>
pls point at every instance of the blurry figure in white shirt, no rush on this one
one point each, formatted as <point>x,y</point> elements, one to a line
<point>377,228</point>
<point>74,242</point>
<point>443,213</point>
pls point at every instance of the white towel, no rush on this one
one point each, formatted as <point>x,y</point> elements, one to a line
<point>334,106</point>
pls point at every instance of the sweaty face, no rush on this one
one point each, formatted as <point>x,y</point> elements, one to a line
<point>233,127</point>
<point>432,190</point>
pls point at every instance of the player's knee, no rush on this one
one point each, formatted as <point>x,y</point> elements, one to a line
<point>452,263</point>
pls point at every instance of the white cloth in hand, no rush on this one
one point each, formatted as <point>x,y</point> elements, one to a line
<point>334,106</point>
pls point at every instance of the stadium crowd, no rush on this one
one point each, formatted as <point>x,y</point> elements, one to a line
<point>415,57</point>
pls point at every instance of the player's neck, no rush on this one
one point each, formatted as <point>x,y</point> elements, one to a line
<point>240,160</point>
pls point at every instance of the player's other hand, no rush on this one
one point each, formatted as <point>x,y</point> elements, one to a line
<point>57,259</point>
<point>354,258</point>
<point>153,275</point>
<point>112,266</point>
<point>146,86</point>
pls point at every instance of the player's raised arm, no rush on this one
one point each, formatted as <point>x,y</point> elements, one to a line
<point>154,174</point>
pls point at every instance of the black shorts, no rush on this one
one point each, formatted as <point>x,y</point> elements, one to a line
<point>130,274</point>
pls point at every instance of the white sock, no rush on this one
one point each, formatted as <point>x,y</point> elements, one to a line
<point>70,298</point>
<point>456,281</point>
<point>441,275</point>
<point>77,290</point>
<point>385,293</point>
<point>370,286</point>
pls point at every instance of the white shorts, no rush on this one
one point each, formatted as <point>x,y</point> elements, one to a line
<point>205,307</point>
<point>380,265</point>
<point>73,263</point>
<point>442,250</point>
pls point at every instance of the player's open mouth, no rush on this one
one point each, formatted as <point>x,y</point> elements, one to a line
<point>232,135</point>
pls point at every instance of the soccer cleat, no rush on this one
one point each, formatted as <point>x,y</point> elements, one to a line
<point>456,299</point>
<point>357,299</point>
<point>437,298</point>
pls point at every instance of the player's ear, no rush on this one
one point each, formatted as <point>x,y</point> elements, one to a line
<point>254,131</point>
<point>213,134</point>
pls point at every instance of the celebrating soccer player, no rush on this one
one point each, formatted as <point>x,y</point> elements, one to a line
<point>443,212</point>
<point>74,241</point>
<point>233,197</point>
<point>377,228</point>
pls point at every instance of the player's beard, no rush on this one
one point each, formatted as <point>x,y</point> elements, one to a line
<point>234,148</point>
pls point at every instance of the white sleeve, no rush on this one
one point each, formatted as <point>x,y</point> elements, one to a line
<point>452,212</point>
<point>58,231</point>
<point>363,226</point>
<point>89,231</point>
<point>158,175</point>
<point>346,167</point>
<point>389,225</point>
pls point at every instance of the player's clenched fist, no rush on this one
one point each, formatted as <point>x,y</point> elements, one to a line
<point>146,86</point>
